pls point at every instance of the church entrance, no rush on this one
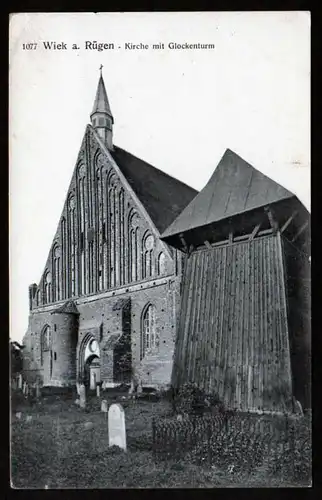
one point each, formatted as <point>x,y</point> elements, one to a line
<point>89,366</point>
<point>92,372</point>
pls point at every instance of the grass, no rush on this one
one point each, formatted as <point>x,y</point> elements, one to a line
<point>55,449</point>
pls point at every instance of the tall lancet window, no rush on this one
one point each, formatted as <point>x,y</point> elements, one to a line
<point>45,341</point>
<point>100,227</point>
<point>133,246</point>
<point>104,213</point>
<point>82,261</point>
<point>56,273</point>
<point>161,264</point>
<point>64,257</point>
<point>147,253</point>
<point>112,230</point>
<point>47,288</point>
<point>71,247</point>
<point>121,241</point>
<point>148,337</point>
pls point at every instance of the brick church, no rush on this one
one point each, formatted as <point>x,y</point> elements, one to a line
<point>106,307</point>
<point>148,280</point>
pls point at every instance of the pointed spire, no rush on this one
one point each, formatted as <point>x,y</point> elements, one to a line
<point>101,116</point>
<point>101,104</point>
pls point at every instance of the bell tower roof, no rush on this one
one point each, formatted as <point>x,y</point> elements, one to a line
<point>101,104</point>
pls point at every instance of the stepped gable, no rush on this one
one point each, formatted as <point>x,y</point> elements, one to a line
<point>234,188</point>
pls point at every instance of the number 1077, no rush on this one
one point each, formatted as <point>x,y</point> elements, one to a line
<point>29,46</point>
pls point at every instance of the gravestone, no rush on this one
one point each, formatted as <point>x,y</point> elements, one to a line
<point>77,401</point>
<point>37,390</point>
<point>98,389</point>
<point>104,406</point>
<point>116,426</point>
<point>82,396</point>
<point>132,388</point>
<point>20,381</point>
<point>77,388</point>
<point>18,415</point>
<point>139,388</point>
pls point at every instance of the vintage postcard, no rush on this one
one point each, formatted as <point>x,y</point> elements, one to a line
<point>160,282</point>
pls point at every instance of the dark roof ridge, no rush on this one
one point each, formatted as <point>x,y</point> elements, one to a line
<point>155,168</point>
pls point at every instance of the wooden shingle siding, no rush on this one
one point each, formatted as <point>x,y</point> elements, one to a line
<point>233,334</point>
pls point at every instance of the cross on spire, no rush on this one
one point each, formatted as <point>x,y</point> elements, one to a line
<point>101,67</point>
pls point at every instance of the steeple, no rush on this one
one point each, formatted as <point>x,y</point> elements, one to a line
<point>101,116</point>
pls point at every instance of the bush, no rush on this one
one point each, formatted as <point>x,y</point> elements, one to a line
<point>191,400</point>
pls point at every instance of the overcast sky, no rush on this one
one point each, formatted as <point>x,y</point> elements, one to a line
<point>177,109</point>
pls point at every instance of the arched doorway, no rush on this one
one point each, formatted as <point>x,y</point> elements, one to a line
<point>92,372</point>
<point>89,362</point>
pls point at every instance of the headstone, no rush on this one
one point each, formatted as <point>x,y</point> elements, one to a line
<point>298,408</point>
<point>82,396</point>
<point>116,426</point>
<point>104,406</point>
<point>179,418</point>
<point>139,388</point>
<point>132,388</point>
<point>93,381</point>
<point>77,388</point>
<point>20,381</point>
<point>77,401</point>
<point>28,418</point>
<point>98,391</point>
<point>18,415</point>
<point>37,390</point>
<point>88,425</point>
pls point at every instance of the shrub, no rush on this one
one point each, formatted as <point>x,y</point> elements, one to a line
<point>190,399</point>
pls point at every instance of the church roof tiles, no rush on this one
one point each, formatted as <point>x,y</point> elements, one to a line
<point>163,196</point>
<point>234,188</point>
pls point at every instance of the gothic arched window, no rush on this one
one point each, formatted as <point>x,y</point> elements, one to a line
<point>121,237</point>
<point>147,252</point>
<point>148,336</point>
<point>161,263</point>
<point>72,246</point>
<point>48,288</point>
<point>82,193</point>
<point>45,341</point>
<point>57,273</point>
<point>63,256</point>
<point>133,246</point>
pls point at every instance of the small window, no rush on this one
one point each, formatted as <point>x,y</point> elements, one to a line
<point>55,356</point>
<point>55,328</point>
<point>101,122</point>
<point>104,232</point>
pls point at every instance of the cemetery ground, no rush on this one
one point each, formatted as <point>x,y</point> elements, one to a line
<point>56,444</point>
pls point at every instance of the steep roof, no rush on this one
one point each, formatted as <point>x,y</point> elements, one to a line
<point>101,103</point>
<point>163,196</point>
<point>235,187</point>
